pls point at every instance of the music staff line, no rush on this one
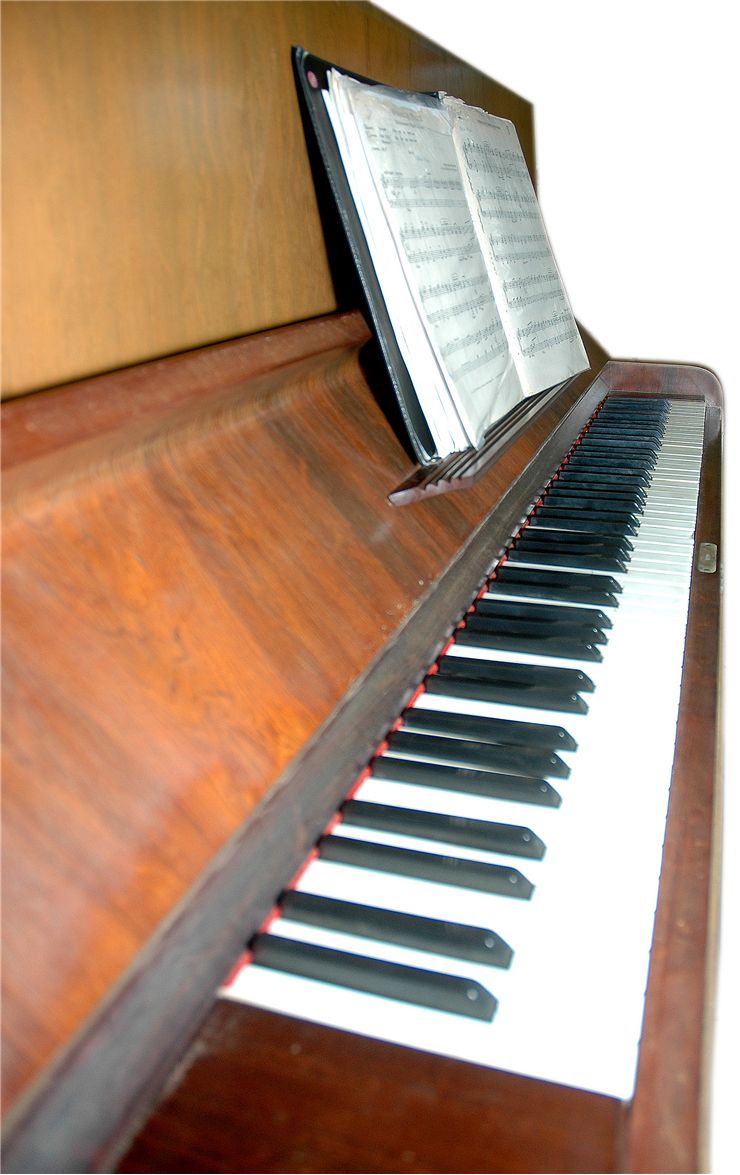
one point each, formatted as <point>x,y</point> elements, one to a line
<point>484,158</point>
<point>517,258</point>
<point>475,340</point>
<point>473,306</point>
<point>545,344</point>
<point>478,361</point>
<point>456,285</point>
<point>536,327</point>
<point>425,256</point>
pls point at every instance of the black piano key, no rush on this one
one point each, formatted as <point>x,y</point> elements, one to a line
<point>552,613</point>
<point>515,626</point>
<point>629,434</point>
<point>626,436</point>
<point>608,422</point>
<point>514,694</point>
<point>632,407</point>
<point>543,519</point>
<point>606,436</point>
<point>496,785</point>
<point>638,452</point>
<point>575,541</point>
<point>512,840</point>
<point>551,516</point>
<point>559,558</point>
<point>412,985</point>
<point>493,730</point>
<point>616,435</point>
<point>447,870</point>
<point>572,580</point>
<point>571,475</point>
<point>599,452</point>
<point>520,591</point>
<point>587,462</point>
<point>614,495</point>
<point>484,755</point>
<point>614,455</point>
<point>481,669</point>
<point>584,472</point>
<point>603,505</point>
<point>597,460</point>
<point>567,508</point>
<point>568,647</point>
<point>474,943</point>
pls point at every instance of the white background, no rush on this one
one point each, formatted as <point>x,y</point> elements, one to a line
<point>635,108</point>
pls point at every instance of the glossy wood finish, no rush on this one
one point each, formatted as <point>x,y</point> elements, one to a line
<point>190,592</point>
<point>269,1093</point>
<point>161,694</point>
<point>327,1101</point>
<point>157,194</point>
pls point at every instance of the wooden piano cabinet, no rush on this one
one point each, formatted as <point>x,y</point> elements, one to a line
<point>165,776</point>
<point>202,571</point>
<point>271,1093</point>
<point>264,1092</point>
<point>211,614</point>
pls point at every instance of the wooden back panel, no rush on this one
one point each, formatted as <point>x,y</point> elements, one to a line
<point>157,194</point>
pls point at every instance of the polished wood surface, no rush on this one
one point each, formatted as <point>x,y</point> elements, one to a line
<point>322,1100</point>
<point>157,194</point>
<point>211,610</point>
<point>290,1096</point>
<point>189,593</point>
<point>212,614</point>
<point>328,1101</point>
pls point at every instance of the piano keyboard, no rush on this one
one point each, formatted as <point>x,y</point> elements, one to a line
<point>488,890</point>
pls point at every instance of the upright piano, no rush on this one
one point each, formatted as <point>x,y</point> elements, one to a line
<point>221,634</point>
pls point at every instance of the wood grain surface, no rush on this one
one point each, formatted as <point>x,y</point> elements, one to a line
<point>189,592</point>
<point>157,194</point>
<point>322,1100</point>
<point>175,650</point>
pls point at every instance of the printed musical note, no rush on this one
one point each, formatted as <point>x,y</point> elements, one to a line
<point>520,261</point>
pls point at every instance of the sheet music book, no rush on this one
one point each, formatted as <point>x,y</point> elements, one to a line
<point>451,246</point>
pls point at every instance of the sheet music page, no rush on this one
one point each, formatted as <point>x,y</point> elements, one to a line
<point>543,335</point>
<point>428,379</point>
<point>410,158</point>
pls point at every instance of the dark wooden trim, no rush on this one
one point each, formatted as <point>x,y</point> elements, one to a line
<point>680,380</point>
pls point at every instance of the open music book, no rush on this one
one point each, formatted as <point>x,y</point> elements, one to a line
<point>459,250</point>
